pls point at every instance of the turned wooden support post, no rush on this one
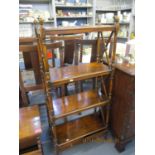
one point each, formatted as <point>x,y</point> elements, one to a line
<point>110,94</point>
<point>98,47</point>
<point>41,22</point>
<point>116,18</point>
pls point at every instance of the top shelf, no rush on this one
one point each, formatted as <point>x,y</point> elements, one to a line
<point>73,6</point>
<point>113,10</point>
<point>59,76</point>
<point>34,1</point>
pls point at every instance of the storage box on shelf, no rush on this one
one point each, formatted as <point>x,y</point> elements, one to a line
<point>71,132</point>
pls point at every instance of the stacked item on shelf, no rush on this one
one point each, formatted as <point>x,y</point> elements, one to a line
<point>113,5</point>
<point>25,30</point>
<point>106,18</point>
<point>123,32</point>
<point>27,13</point>
<point>73,3</point>
<point>73,13</point>
<point>130,47</point>
<point>126,52</point>
<point>59,2</point>
<point>124,18</point>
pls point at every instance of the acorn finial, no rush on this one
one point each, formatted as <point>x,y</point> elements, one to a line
<point>41,21</point>
<point>116,18</point>
<point>35,21</point>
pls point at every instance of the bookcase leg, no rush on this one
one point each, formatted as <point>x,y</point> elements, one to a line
<point>120,146</point>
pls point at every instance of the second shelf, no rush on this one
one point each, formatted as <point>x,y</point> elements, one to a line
<point>76,103</point>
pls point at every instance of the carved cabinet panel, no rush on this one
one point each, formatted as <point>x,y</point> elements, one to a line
<point>123,105</point>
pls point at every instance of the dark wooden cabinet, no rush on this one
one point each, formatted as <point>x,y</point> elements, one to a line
<point>123,105</point>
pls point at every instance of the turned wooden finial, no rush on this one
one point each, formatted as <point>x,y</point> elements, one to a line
<point>41,21</point>
<point>35,21</point>
<point>116,18</point>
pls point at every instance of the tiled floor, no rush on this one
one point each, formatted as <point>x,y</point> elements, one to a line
<point>104,147</point>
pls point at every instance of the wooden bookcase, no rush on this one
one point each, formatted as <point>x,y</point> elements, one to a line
<point>78,130</point>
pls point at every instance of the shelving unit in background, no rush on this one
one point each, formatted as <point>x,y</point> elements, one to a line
<point>72,13</point>
<point>69,13</point>
<point>30,10</point>
<point>106,9</point>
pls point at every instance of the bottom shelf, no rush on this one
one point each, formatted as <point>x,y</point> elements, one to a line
<point>37,152</point>
<point>79,128</point>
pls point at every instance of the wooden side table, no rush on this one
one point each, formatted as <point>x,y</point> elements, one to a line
<point>123,105</point>
<point>29,127</point>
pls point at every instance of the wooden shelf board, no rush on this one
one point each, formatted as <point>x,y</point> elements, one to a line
<point>76,103</point>
<point>98,10</point>
<point>115,10</point>
<point>36,152</point>
<point>122,23</point>
<point>34,1</point>
<point>60,17</point>
<point>33,23</point>
<point>73,6</point>
<point>122,37</point>
<point>59,76</point>
<point>78,129</point>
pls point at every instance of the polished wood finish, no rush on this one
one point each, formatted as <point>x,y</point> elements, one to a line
<point>69,105</point>
<point>29,126</point>
<point>66,37</point>
<point>32,87</point>
<point>78,129</point>
<point>29,46</point>
<point>123,105</point>
<point>23,95</point>
<point>26,55</point>
<point>36,152</point>
<point>75,73</point>
<point>79,30</point>
<point>126,68</point>
<point>72,131</point>
<point>27,40</point>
